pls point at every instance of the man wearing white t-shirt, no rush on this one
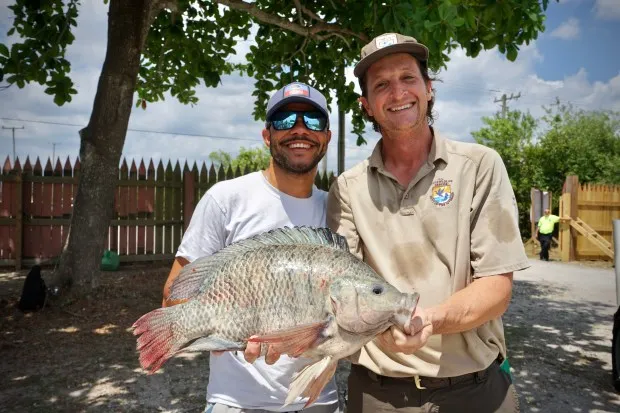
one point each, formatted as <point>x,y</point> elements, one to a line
<point>297,133</point>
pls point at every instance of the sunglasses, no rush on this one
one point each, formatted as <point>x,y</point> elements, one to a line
<point>314,120</point>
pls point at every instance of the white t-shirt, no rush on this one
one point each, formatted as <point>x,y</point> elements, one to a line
<point>231,211</point>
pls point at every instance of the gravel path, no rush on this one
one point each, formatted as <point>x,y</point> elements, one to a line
<point>558,330</point>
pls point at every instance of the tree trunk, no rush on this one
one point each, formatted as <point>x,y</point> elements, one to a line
<point>101,145</point>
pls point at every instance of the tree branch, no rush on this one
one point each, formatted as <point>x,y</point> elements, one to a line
<point>312,31</point>
<point>311,14</point>
<point>299,8</point>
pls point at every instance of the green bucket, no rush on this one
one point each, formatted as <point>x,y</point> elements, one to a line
<point>110,261</point>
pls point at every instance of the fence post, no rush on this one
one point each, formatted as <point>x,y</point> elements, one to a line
<point>572,188</point>
<point>189,192</point>
<point>565,230</point>
<point>19,221</point>
<point>616,239</point>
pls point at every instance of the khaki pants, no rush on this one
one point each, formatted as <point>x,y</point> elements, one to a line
<point>489,391</point>
<point>222,408</point>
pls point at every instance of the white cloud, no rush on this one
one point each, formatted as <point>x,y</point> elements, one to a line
<point>471,86</point>
<point>607,9</point>
<point>568,30</point>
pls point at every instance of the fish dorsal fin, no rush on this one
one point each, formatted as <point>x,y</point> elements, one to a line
<point>192,278</point>
<point>300,235</point>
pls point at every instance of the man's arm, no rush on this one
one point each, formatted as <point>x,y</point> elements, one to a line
<point>177,265</point>
<point>485,299</point>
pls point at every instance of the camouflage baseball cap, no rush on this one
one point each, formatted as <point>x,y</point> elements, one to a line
<point>387,44</point>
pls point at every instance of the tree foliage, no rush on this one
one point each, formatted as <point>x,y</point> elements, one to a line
<point>190,42</point>
<point>540,153</point>
<point>512,136</point>
<point>578,142</point>
<point>251,159</point>
<point>155,47</point>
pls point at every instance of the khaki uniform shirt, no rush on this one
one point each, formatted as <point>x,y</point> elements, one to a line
<point>456,221</point>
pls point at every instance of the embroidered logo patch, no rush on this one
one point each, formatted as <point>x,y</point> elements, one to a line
<point>442,193</point>
<point>386,40</point>
<point>295,89</point>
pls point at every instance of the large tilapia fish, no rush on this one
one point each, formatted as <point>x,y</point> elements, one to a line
<point>299,290</point>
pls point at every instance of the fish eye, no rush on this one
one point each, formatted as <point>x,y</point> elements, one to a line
<point>377,289</point>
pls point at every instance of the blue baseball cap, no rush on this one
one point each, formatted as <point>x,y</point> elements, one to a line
<point>296,92</point>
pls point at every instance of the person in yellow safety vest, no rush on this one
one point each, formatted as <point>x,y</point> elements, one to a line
<point>544,233</point>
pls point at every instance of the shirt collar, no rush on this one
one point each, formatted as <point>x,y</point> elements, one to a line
<point>438,152</point>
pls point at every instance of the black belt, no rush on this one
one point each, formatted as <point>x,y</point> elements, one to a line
<point>422,382</point>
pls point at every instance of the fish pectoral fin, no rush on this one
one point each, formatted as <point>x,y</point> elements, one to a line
<point>213,344</point>
<point>294,341</point>
<point>311,380</point>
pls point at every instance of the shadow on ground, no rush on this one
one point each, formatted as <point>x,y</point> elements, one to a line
<point>559,349</point>
<point>82,357</point>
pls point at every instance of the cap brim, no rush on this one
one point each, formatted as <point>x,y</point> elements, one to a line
<point>416,49</point>
<point>294,99</point>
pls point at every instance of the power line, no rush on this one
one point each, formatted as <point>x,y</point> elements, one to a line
<point>195,135</point>
<point>136,130</point>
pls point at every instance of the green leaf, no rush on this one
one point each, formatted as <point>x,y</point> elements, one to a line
<point>4,51</point>
<point>458,22</point>
<point>512,53</point>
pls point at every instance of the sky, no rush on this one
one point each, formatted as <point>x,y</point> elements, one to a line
<point>576,59</point>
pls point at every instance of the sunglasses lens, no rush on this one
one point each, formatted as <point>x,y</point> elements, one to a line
<point>283,120</point>
<point>315,121</point>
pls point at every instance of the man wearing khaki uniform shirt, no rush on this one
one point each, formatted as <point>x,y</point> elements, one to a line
<point>437,217</point>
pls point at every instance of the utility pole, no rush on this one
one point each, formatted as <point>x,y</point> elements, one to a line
<point>341,142</point>
<point>504,99</point>
<point>341,134</point>
<point>324,162</point>
<point>13,129</point>
<point>53,152</point>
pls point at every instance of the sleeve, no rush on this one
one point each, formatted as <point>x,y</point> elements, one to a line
<point>555,218</point>
<point>206,232</point>
<point>496,245</point>
<point>340,216</point>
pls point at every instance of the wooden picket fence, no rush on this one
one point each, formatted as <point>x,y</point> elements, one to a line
<point>588,234</point>
<point>153,206</point>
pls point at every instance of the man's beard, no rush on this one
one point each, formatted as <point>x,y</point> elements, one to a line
<point>280,159</point>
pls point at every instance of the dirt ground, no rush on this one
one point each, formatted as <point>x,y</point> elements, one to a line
<point>82,358</point>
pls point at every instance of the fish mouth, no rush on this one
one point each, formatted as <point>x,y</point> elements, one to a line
<point>402,317</point>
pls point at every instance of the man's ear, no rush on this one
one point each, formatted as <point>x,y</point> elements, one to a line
<point>329,136</point>
<point>266,137</point>
<point>364,102</point>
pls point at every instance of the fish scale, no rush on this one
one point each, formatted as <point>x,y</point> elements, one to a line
<point>298,290</point>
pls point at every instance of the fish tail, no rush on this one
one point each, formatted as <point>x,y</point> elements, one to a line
<point>157,341</point>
